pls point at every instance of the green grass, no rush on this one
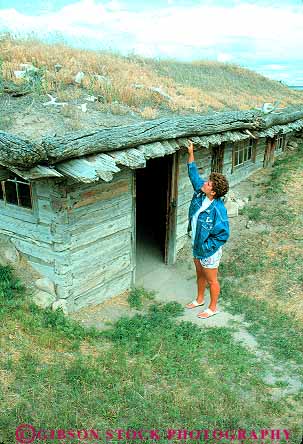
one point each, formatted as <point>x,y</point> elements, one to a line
<point>138,296</point>
<point>155,371</point>
<point>193,376</point>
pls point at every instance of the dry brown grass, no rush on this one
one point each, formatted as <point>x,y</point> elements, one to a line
<point>149,113</point>
<point>197,86</point>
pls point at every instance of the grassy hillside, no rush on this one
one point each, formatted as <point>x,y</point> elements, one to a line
<point>192,87</point>
<point>151,372</point>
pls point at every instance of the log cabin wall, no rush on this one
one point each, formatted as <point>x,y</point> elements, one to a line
<point>40,233</point>
<point>240,172</point>
<point>102,255</point>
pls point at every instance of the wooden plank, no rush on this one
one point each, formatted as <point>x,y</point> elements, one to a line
<point>131,158</point>
<point>173,143</point>
<point>112,246</point>
<point>168,147</point>
<point>4,173</point>
<point>24,229</point>
<point>93,233</point>
<point>170,241</point>
<point>102,192</point>
<point>79,169</point>
<point>118,285</point>
<point>181,242</point>
<point>152,150</point>
<point>100,274</point>
<point>103,162</point>
<point>17,213</point>
<point>102,211</point>
<point>133,230</point>
<point>45,213</point>
<point>39,250</point>
<point>49,272</point>
<point>38,172</point>
<point>182,142</point>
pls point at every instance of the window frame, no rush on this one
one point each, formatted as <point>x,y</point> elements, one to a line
<point>247,151</point>
<point>17,180</point>
<point>279,139</point>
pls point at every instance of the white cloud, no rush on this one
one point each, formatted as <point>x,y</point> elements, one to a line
<point>223,57</point>
<point>242,33</point>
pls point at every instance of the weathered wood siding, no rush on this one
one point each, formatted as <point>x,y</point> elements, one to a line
<point>242,171</point>
<point>185,191</point>
<point>39,233</point>
<point>101,229</point>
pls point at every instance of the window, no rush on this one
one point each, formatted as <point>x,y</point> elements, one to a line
<point>279,144</point>
<point>243,152</point>
<point>16,191</point>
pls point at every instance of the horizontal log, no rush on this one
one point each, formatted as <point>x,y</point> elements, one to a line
<point>81,143</point>
<point>280,118</point>
<point>101,293</point>
<point>15,151</point>
<point>24,154</point>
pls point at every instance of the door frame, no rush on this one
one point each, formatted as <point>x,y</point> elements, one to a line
<point>170,251</point>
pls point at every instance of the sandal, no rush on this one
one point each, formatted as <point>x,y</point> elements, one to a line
<point>209,313</point>
<point>195,304</point>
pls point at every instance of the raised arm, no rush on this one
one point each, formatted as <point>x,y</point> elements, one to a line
<point>193,173</point>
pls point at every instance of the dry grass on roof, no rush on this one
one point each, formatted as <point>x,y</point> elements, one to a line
<point>126,81</point>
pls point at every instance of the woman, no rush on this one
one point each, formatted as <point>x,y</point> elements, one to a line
<point>208,222</point>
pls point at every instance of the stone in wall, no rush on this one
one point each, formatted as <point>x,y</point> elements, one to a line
<point>60,303</point>
<point>45,284</point>
<point>43,299</point>
<point>9,255</point>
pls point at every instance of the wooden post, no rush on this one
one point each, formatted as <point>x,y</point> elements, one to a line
<point>133,232</point>
<point>171,221</point>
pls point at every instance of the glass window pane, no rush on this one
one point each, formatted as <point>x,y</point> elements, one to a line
<point>24,195</point>
<point>240,157</point>
<point>236,161</point>
<point>11,192</point>
<point>245,155</point>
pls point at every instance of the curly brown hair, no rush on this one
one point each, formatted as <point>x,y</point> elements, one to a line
<point>219,184</point>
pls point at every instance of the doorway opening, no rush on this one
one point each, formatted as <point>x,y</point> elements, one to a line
<point>153,198</point>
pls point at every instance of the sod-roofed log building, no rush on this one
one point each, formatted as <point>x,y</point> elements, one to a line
<point>75,205</point>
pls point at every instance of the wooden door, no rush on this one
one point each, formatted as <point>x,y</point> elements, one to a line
<point>171,212</point>
<point>217,158</point>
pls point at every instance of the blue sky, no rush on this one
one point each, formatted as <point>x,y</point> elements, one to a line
<point>262,35</point>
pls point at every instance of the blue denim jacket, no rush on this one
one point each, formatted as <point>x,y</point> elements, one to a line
<point>212,225</point>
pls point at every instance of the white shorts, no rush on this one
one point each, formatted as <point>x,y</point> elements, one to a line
<point>212,261</point>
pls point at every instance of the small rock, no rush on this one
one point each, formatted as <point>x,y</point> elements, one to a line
<point>249,223</point>
<point>43,299</point>
<point>241,203</point>
<point>45,284</point>
<point>292,144</point>
<point>232,208</point>
<point>137,86</point>
<point>245,200</point>
<point>79,77</point>
<point>9,254</point>
<point>160,92</point>
<point>57,67</point>
<point>60,303</point>
<point>102,79</point>
<point>230,196</point>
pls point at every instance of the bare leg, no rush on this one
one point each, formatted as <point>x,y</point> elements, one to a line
<point>201,283</point>
<point>210,274</point>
